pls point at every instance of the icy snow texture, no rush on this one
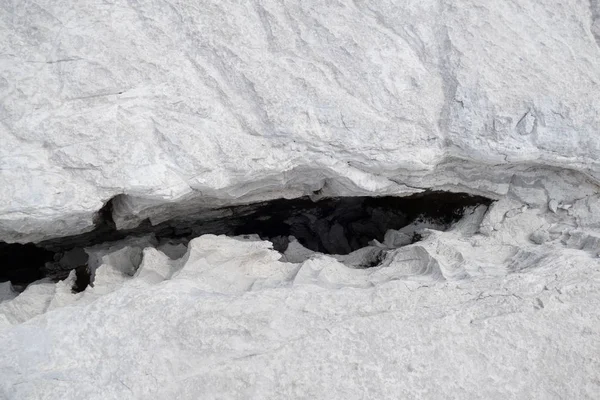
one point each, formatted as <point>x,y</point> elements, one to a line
<point>219,102</point>
<point>457,315</point>
<point>179,105</point>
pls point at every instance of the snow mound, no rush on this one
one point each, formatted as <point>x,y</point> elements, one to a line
<point>121,114</point>
<point>458,314</point>
<point>229,103</point>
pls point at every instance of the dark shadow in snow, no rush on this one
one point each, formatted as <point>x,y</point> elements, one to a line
<point>331,226</point>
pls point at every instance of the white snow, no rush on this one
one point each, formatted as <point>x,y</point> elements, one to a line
<point>459,314</point>
<point>174,107</point>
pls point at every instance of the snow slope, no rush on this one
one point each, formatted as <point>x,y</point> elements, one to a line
<point>458,315</point>
<point>173,106</point>
<point>222,102</point>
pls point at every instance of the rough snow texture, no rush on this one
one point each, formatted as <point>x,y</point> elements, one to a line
<point>178,105</point>
<point>221,102</point>
<point>457,315</point>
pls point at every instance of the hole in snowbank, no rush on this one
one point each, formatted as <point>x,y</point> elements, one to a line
<point>22,263</point>
<point>332,226</point>
<point>83,278</point>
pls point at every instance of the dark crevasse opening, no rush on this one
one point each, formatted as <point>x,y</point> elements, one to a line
<point>332,226</point>
<point>343,225</point>
<point>21,263</point>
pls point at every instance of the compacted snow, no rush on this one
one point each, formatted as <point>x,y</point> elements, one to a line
<point>460,314</point>
<point>221,102</point>
<point>124,114</point>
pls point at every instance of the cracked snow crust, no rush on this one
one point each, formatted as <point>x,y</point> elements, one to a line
<point>173,106</point>
<point>460,314</point>
<point>168,107</point>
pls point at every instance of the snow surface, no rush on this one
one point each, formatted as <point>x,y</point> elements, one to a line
<point>169,106</point>
<point>173,104</point>
<point>460,314</point>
